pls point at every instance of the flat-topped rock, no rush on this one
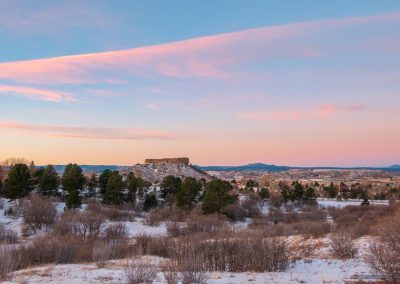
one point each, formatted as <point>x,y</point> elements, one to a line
<point>183,160</point>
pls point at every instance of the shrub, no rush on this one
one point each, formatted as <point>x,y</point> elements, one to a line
<point>234,255</point>
<point>192,271</point>
<point>235,212</point>
<point>252,204</point>
<point>9,262</point>
<point>102,253</point>
<point>158,215</point>
<point>8,236</point>
<point>84,225</point>
<point>384,257</point>
<point>140,273</point>
<point>116,231</point>
<point>208,224</point>
<point>38,212</point>
<point>146,245</point>
<point>384,261</point>
<point>170,271</point>
<point>343,246</point>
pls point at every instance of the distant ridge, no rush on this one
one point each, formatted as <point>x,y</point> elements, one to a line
<point>90,168</point>
<point>260,167</point>
<point>256,167</point>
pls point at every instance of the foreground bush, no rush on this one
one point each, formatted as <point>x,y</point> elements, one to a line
<point>234,255</point>
<point>9,262</point>
<point>384,257</point>
<point>137,273</point>
<point>343,246</point>
<point>38,213</point>
<point>8,236</point>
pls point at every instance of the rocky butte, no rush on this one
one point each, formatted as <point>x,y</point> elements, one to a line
<point>184,161</point>
<point>154,170</point>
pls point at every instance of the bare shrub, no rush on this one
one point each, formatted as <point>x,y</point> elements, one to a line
<point>170,271</point>
<point>116,231</point>
<point>102,252</point>
<point>174,229</point>
<point>38,212</point>
<point>146,245</point>
<point>208,224</point>
<point>308,229</point>
<point>7,235</point>
<point>191,271</point>
<point>234,255</point>
<point>158,215</point>
<point>9,262</point>
<point>252,204</point>
<point>84,225</point>
<point>384,261</point>
<point>343,246</point>
<point>235,212</point>
<point>359,220</point>
<point>137,273</point>
<point>384,257</point>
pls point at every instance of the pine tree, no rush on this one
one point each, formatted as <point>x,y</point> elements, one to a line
<point>150,201</point>
<point>217,195</point>
<point>91,185</point>
<point>114,190</point>
<point>170,186</point>
<point>19,182</point>
<point>103,180</point>
<point>72,182</point>
<point>49,181</point>
<point>188,194</point>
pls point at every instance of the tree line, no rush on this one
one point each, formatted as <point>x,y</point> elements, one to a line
<point>115,189</point>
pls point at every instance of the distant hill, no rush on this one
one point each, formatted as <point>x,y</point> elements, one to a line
<point>90,168</point>
<point>256,167</point>
<point>250,167</point>
<point>260,167</point>
<point>155,172</point>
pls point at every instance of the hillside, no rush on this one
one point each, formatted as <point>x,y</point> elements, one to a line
<point>155,172</point>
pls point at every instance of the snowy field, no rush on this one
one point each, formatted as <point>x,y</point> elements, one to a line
<point>304,271</point>
<point>319,267</point>
<point>327,202</point>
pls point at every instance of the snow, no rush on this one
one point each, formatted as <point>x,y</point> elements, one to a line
<point>327,202</point>
<point>10,222</point>
<point>304,271</point>
<point>137,228</point>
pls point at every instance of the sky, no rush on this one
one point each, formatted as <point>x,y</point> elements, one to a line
<point>300,82</point>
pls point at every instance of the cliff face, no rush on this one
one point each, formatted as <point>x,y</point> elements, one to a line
<point>184,161</point>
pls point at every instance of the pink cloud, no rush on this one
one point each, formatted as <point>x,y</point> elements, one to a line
<point>214,57</point>
<point>39,94</point>
<point>87,132</point>
<point>301,113</point>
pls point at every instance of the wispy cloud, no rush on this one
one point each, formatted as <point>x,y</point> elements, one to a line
<point>87,132</point>
<point>35,93</point>
<point>301,113</point>
<point>212,57</point>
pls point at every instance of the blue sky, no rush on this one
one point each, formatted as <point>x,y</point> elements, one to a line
<point>223,82</point>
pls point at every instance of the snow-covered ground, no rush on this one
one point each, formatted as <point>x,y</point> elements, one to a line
<point>328,202</point>
<point>317,267</point>
<point>9,222</point>
<point>137,228</point>
<point>304,271</point>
